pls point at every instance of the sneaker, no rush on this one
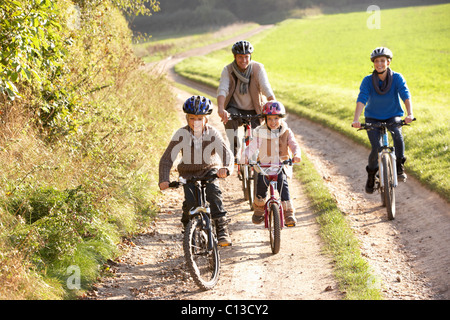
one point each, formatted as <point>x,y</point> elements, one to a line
<point>370,180</point>
<point>401,175</point>
<point>223,236</point>
<point>289,216</point>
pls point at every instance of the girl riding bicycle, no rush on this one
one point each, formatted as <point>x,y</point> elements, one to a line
<point>380,94</point>
<point>272,142</point>
<point>203,151</point>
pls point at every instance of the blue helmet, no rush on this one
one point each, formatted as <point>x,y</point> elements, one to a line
<point>198,105</point>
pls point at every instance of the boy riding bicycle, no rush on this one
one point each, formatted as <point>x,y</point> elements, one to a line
<point>203,150</point>
<point>272,142</point>
<point>380,94</point>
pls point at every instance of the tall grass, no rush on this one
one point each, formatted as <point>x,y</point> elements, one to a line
<point>316,66</point>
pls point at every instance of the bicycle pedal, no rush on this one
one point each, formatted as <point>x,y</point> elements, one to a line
<point>290,225</point>
<point>225,245</point>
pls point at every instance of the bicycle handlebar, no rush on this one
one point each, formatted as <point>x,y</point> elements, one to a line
<point>182,181</point>
<point>287,162</point>
<point>244,117</point>
<point>368,126</point>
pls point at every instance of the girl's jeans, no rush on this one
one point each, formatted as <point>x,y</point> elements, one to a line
<point>282,186</point>
<point>375,140</point>
<point>213,196</point>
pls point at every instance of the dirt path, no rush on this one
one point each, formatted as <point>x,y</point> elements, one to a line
<point>410,254</point>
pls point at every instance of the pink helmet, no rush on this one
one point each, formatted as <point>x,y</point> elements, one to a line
<point>273,108</point>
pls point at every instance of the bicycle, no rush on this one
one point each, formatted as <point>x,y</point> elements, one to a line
<point>386,179</point>
<point>273,210</point>
<point>246,174</point>
<point>200,240</point>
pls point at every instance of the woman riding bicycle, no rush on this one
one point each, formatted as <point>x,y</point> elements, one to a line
<point>272,142</point>
<point>203,150</point>
<point>380,94</point>
<point>242,84</point>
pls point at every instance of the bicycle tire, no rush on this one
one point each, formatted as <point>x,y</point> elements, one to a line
<point>254,182</point>
<point>244,182</point>
<point>203,264</point>
<point>389,191</point>
<point>274,228</point>
<point>251,187</point>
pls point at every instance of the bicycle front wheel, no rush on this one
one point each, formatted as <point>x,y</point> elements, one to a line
<point>203,264</point>
<point>274,228</point>
<point>388,181</point>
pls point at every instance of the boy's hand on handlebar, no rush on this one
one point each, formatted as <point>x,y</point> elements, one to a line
<point>222,173</point>
<point>296,159</point>
<point>164,185</point>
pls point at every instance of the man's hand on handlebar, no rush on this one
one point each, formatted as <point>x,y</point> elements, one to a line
<point>224,115</point>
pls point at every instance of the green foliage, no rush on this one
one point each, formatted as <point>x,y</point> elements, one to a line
<point>78,148</point>
<point>31,47</point>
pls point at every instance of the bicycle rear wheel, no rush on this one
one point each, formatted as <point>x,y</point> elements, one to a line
<point>388,181</point>
<point>251,186</point>
<point>203,264</point>
<point>244,175</point>
<point>274,228</point>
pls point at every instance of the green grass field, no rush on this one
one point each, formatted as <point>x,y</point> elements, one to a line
<point>316,65</point>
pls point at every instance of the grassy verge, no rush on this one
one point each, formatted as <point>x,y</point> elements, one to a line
<point>351,270</point>
<point>315,70</point>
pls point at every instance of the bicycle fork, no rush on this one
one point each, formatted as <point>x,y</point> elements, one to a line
<point>273,200</point>
<point>381,168</point>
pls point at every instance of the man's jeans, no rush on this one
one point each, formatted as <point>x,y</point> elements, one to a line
<point>232,126</point>
<point>375,140</point>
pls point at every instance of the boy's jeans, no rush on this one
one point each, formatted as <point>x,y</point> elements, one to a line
<point>375,140</point>
<point>213,196</point>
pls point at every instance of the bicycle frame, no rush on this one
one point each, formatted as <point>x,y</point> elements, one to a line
<point>202,209</point>
<point>273,184</point>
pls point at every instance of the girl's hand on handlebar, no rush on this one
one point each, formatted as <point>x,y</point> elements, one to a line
<point>296,159</point>
<point>164,185</point>
<point>356,124</point>
<point>409,119</point>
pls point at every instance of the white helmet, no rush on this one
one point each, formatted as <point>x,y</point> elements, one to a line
<point>381,52</point>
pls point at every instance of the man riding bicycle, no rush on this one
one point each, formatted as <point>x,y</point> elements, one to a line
<point>242,85</point>
<point>380,94</point>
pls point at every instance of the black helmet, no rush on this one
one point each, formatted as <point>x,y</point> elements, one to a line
<point>381,52</point>
<point>242,47</point>
<point>198,105</point>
